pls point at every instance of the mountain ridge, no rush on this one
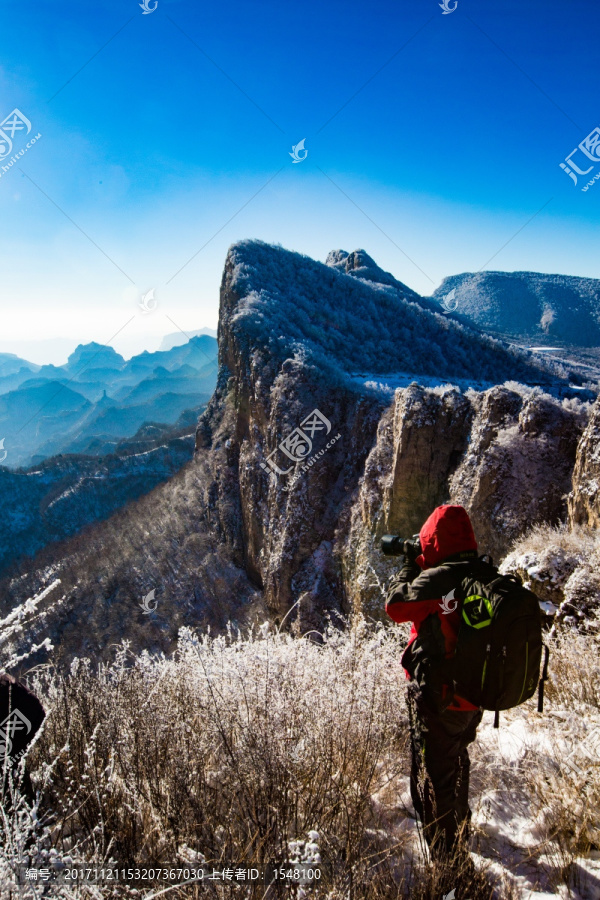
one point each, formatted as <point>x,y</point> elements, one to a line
<point>61,495</point>
<point>527,304</point>
<point>38,411</point>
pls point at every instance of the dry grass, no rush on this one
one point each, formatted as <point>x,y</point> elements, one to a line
<point>236,747</point>
<point>579,541</point>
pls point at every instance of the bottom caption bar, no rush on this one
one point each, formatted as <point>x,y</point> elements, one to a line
<point>171,875</point>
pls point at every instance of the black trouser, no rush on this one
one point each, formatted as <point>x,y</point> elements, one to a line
<point>439,778</point>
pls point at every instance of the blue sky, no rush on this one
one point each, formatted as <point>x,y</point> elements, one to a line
<point>434,142</point>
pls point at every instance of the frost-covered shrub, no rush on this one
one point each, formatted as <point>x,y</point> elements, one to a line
<point>277,749</point>
<point>16,628</point>
<point>562,566</point>
<point>537,779</point>
<point>234,748</point>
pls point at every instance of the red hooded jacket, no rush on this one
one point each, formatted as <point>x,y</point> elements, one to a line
<point>447,536</point>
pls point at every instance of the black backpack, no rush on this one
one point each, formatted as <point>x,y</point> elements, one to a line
<point>498,653</point>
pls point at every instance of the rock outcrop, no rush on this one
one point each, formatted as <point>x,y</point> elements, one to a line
<point>283,527</point>
<point>584,501</point>
<point>505,454</point>
<point>562,566</point>
<point>518,466</point>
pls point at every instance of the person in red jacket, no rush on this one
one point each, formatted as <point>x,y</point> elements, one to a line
<point>442,723</point>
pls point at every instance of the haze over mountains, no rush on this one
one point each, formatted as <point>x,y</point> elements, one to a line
<point>97,398</point>
<point>178,337</point>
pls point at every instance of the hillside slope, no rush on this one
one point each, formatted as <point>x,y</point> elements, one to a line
<point>289,305</point>
<point>528,305</point>
<point>63,494</point>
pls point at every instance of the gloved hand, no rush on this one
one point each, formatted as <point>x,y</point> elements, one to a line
<point>411,551</point>
<point>408,568</point>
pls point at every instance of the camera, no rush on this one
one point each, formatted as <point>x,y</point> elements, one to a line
<point>394,545</point>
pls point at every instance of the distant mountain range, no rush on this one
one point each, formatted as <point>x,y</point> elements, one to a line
<point>529,305</point>
<point>62,495</point>
<point>178,337</point>
<point>97,398</point>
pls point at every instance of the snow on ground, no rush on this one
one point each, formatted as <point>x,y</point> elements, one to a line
<point>387,384</point>
<point>529,752</point>
<point>511,767</point>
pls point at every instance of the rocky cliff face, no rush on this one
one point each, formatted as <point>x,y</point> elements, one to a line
<point>506,454</point>
<point>518,465</point>
<point>317,440</point>
<point>584,501</point>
